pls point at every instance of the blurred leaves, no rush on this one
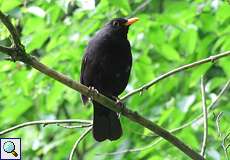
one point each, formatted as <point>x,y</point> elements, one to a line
<point>169,52</point>
<point>6,5</point>
<point>169,34</point>
<point>123,4</point>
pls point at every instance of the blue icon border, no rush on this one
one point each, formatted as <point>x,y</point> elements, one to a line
<point>19,148</point>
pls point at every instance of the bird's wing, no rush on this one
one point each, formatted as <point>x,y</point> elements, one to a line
<point>84,60</point>
<point>83,64</point>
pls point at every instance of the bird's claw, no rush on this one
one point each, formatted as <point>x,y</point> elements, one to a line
<point>93,91</point>
<point>91,88</point>
<point>213,59</point>
<point>120,104</point>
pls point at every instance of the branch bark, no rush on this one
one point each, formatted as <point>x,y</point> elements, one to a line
<point>9,51</point>
<point>6,21</point>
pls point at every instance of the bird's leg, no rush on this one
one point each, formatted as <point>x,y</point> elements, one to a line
<point>120,104</point>
<point>93,91</point>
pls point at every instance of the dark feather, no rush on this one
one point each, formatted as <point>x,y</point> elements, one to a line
<point>106,66</point>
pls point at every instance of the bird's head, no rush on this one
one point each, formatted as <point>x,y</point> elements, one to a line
<point>120,26</point>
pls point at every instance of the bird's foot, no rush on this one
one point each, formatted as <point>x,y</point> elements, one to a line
<point>120,104</point>
<point>93,91</point>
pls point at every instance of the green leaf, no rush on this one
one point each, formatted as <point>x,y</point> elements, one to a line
<point>169,52</point>
<point>175,6</point>
<point>188,39</point>
<point>36,41</point>
<point>165,115</point>
<point>14,109</point>
<point>204,45</point>
<point>54,13</point>
<point>215,83</point>
<point>124,4</point>
<point>8,5</point>
<point>54,97</point>
<point>144,62</point>
<point>197,73</point>
<point>189,137</point>
<point>223,12</point>
<point>224,63</point>
<point>208,22</point>
<point>226,44</point>
<point>36,21</point>
<point>156,34</point>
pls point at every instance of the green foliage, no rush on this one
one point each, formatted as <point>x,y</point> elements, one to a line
<point>168,35</point>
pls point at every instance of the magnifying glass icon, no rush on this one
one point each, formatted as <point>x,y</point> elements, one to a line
<point>9,147</point>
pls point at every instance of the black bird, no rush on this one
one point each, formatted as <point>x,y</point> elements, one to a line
<point>106,66</point>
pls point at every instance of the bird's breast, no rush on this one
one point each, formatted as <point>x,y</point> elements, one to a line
<point>110,62</point>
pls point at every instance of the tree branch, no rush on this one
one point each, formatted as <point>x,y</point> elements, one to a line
<point>9,51</point>
<point>44,122</point>
<point>5,20</point>
<point>174,71</point>
<point>72,127</point>
<point>205,117</point>
<point>78,141</point>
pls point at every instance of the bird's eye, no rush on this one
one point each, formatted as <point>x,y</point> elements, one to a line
<point>115,23</point>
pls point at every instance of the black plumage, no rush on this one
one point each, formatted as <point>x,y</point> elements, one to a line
<point>106,66</point>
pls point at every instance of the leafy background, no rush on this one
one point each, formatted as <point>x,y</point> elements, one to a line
<point>169,34</point>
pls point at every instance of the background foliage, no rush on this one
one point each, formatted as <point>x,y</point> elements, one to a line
<point>169,34</point>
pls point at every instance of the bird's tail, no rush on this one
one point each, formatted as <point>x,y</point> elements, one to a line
<point>106,124</point>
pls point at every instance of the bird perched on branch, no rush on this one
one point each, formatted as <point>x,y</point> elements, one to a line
<point>106,67</point>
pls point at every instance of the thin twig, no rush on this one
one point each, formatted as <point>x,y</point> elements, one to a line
<point>227,147</point>
<point>44,122</point>
<point>72,127</point>
<point>219,116</point>
<point>217,123</point>
<point>205,117</point>
<point>78,141</point>
<point>174,71</point>
<point>226,137</point>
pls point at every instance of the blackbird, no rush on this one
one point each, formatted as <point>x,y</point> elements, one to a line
<point>106,67</point>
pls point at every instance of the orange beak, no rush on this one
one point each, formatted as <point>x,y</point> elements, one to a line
<point>131,21</point>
